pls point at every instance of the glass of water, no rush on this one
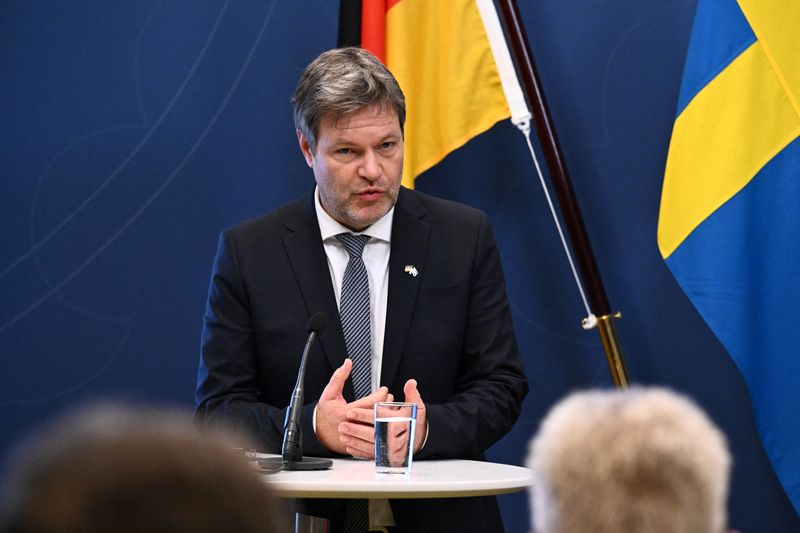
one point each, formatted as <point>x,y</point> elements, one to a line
<point>395,428</point>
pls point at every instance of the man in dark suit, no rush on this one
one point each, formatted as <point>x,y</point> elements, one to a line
<point>440,325</point>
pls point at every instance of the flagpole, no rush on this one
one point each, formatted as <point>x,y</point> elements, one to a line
<point>566,197</point>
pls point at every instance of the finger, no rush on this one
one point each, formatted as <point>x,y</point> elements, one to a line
<point>399,446</point>
<point>368,401</point>
<point>399,430</point>
<point>360,454</point>
<point>363,448</point>
<point>333,390</point>
<point>360,415</point>
<point>412,394</point>
<point>357,431</point>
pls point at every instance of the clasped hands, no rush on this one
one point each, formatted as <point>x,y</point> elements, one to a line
<point>347,428</point>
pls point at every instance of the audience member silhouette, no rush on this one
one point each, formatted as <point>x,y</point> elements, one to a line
<point>639,460</point>
<point>117,469</point>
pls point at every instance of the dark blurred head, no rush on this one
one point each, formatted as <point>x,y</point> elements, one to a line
<point>124,470</point>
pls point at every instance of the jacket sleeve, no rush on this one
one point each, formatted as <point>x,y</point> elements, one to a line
<point>491,383</point>
<point>228,390</point>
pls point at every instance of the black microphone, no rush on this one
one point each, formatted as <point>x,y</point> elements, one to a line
<point>292,448</point>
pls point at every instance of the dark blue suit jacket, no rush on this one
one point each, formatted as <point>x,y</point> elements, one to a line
<point>449,328</point>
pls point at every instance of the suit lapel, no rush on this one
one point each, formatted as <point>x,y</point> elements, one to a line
<point>409,247</point>
<point>303,244</point>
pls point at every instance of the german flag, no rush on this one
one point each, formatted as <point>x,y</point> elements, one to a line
<point>440,54</point>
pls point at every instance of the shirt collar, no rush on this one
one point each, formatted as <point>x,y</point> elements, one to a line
<point>330,228</point>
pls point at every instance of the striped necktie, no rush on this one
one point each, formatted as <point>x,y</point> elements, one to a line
<point>355,317</point>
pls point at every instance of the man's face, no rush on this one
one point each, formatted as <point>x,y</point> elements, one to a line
<point>358,164</point>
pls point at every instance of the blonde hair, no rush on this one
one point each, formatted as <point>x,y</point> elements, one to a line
<point>643,460</point>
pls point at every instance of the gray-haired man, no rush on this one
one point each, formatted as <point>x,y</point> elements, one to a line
<point>440,327</point>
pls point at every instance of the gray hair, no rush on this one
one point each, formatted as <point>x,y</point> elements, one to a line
<point>642,459</point>
<point>342,81</point>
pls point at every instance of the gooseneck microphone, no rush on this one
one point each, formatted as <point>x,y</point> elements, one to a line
<point>292,447</point>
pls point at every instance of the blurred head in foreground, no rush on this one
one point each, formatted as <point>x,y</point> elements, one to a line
<point>123,470</point>
<point>636,460</point>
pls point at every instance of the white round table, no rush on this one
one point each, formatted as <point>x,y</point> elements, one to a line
<point>352,478</point>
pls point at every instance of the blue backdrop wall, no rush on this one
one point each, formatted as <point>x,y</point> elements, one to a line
<point>132,132</point>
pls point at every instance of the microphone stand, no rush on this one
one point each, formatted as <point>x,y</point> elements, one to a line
<point>292,447</point>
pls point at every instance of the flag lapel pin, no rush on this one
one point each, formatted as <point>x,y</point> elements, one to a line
<point>411,270</point>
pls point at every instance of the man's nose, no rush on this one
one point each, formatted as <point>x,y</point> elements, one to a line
<point>370,167</point>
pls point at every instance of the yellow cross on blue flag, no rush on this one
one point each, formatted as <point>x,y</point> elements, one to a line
<point>729,224</point>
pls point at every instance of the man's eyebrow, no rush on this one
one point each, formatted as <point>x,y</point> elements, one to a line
<point>343,139</point>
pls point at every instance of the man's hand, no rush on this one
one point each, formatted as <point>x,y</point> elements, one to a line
<point>412,396</point>
<point>359,428</point>
<point>347,427</point>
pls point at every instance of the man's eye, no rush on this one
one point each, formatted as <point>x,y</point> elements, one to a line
<point>344,151</point>
<point>387,145</point>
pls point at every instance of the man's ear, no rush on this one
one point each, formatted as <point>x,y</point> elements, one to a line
<point>305,148</point>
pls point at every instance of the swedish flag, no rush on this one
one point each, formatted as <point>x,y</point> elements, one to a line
<point>729,225</point>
